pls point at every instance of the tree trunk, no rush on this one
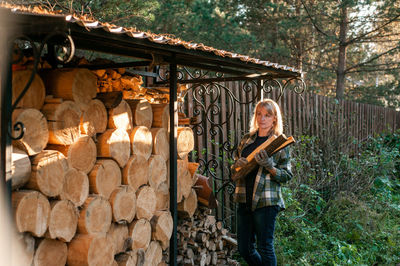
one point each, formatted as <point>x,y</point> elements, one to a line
<point>189,205</point>
<point>142,114</point>
<point>123,203</point>
<point>119,236</point>
<point>160,142</point>
<point>20,168</point>
<point>157,171</point>
<point>145,203</point>
<point>34,97</point>
<point>341,69</point>
<point>63,122</point>
<point>142,141</point>
<point>81,154</point>
<point>90,250</point>
<point>185,141</point>
<point>161,115</point>
<point>115,144</point>
<point>31,212</point>
<point>63,220</point>
<point>153,255</point>
<point>48,169</point>
<point>140,233</point>
<point>162,197</point>
<point>104,177</point>
<point>78,85</point>
<point>50,252</point>
<point>95,216</point>
<point>36,133</point>
<point>162,225</point>
<point>94,118</point>
<point>136,172</point>
<point>120,116</point>
<point>76,187</point>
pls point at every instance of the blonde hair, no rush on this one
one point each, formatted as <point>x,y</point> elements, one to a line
<point>272,109</point>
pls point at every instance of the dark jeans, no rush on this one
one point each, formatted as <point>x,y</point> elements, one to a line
<point>257,225</point>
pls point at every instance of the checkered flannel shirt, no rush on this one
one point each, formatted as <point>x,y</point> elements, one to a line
<point>267,188</point>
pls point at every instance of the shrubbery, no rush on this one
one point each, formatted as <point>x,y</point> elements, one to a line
<point>341,209</point>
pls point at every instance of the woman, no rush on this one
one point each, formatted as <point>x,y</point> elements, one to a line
<point>259,193</point>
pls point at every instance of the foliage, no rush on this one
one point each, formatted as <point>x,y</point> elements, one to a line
<point>353,226</point>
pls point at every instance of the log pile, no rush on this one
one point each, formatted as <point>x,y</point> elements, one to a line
<point>90,175</point>
<point>203,241</point>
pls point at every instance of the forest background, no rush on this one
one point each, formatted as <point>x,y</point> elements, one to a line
<point>343,209</point>
<point>348,49</point>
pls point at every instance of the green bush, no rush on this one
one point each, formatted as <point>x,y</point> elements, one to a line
<point>341,209</point>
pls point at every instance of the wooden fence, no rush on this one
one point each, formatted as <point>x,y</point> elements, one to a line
<point>224,113</point>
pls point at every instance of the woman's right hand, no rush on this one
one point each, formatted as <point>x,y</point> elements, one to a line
<point>242,161</point>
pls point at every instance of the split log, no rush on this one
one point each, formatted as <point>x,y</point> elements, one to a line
<point>162,225</point>
<point>34,97</point>
<point>192,167</point>
<point>153,255</point>
<point>160,142</point>
<point>136,172</point>
<point>142,141</point>
<point>123,204</point>
<point>157,171</point>
<point>140,233</point>
<point>20,168</point>
<point>205,193</point>
<point>94,118</point>
<point>31,212</point>
<point>162,197</point>
<point>189,205</point>
<point>76,187</point>
<point>36,133</point>
<point>78,85</point>
<point>95,216</point>
<point>114,143</point>
<point>160,115</point>
<point>185,183</point>
<point>81,154</point>
<point>145,203</point>
<point>185,141</point>
<point>120,116</point>
<point>63,220</point>
<point>48,169</point>
<point>142,114</point>
<point>50,252</point>
<point>130,258</point>
<point>90,250</point>
<point>63,122</point>
<point>104,177</point>
<point>118,235</point>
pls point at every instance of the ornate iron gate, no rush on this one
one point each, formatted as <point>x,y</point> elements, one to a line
<point>223,111</point>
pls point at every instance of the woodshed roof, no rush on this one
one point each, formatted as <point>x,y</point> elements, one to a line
<point>88,33</point>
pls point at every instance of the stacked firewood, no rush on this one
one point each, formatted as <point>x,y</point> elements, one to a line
<point>89,175</point>
<point>203,241</point>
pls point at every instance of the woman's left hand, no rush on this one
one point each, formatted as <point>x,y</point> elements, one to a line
<point>264,160</point>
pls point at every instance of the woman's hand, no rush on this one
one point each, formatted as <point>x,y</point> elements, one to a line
<point>264,160</point>
<point>242,161</point>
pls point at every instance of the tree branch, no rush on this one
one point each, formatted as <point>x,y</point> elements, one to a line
<point>313,22</point>
<point>371,31</point>
<point>371,59</point>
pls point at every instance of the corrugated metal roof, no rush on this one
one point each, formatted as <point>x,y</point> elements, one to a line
<point>91,24</point>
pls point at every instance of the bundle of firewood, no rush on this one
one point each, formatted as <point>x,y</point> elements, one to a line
<point>90,177</point>
<point>203,241</point>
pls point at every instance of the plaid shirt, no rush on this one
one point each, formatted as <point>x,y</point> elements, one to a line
<point>267,188</point>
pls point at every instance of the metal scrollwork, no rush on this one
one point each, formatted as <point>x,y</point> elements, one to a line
<point>296,84</point>
<point>63,52</point>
